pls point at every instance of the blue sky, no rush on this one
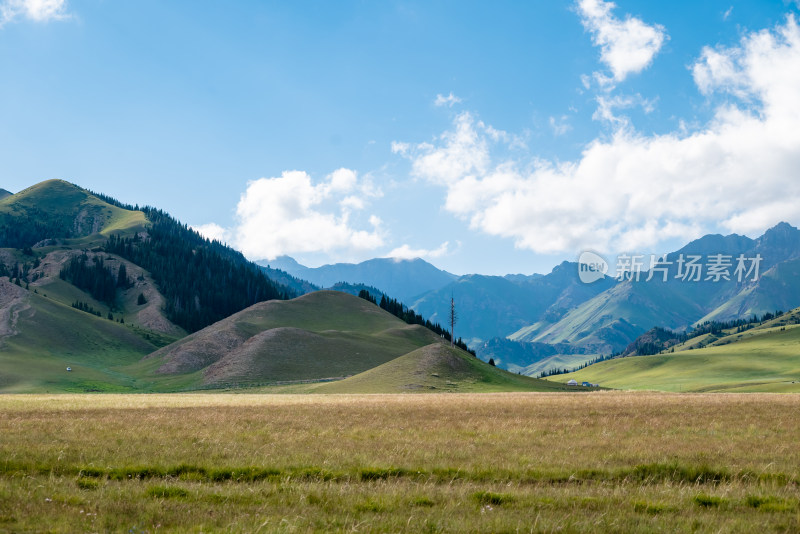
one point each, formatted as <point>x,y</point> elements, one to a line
<point>488,137</point>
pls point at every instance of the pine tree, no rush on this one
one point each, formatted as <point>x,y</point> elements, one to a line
<point>122,277</point>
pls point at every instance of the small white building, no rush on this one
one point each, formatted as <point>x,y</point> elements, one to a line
<point>572,382</point>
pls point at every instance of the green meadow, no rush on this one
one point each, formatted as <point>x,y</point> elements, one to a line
<point>766,360</point>
<point>507,462</point>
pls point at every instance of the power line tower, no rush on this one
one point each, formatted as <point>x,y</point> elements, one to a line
<point>453,318</point>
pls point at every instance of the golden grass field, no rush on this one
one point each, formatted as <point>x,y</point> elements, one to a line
<point>509,462</point>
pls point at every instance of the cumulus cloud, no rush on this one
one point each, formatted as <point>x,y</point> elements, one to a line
<point>405,252</point>
<point>291,214</point>
<point>632,191</point>
<point>35,10</point>
<point>448,100</point>
<point>626,46</point>
<point>212,231</point>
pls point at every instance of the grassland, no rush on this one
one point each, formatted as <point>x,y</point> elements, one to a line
<point>766,359</point>
<point>436,367</point>
<point>605,461</point>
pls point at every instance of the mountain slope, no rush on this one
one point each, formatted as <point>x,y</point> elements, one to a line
<point>403,279</point>
<point>435,368</point>
<point>4,193</point>
<point>610,321</point>
<point>531,358</point>
<point>300,287</point>
<point>494,306</point>
<point>58,209</point>
<point>40,338</point>
<point>320,335</point>
<point>765,358</point>
<point>145,277</point>
<point>200,281</point>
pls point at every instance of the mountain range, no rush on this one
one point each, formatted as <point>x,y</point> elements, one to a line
<point>402,279</point>
<point>96,295</point>
<point>529,323</point>
<point>139,301</point>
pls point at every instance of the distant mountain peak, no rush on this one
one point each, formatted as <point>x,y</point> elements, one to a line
<point>781,230</point>
<point>782,226</point>
<point>780,242</point>
<point>565,265</point>
<point>416,260</point>
<point>280,262</point>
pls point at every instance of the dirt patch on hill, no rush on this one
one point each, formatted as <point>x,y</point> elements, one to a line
<point>13,302</point>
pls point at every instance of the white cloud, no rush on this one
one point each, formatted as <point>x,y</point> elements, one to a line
<point>461,152</point>
<point>291,214</point>
<point>727,13</point>
<point>632,191</point>
<point>212,231</point>
<point>400,148</point>
<point>405,252</point>
<point>35,10</point>
<point>448,100</point>
<point>607,104</point>
<point>560,126</point>
<point>626,46</point>
<point>718,70</point>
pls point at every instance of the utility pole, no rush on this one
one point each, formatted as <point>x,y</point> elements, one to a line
<point>453,318</point>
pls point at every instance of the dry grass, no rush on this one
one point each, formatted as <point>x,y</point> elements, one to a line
<point>498,462</point>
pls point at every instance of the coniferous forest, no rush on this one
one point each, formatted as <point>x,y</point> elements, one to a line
<point>202,281</point>
<point>27,229</point>
<point>94,277</point>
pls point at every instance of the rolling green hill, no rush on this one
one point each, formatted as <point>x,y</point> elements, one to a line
<point>326,334</point>
<point>766,358</point>
<point>177,281</point>
<point>435,368</point>
<point>40,337</point>
<point>56,209</point>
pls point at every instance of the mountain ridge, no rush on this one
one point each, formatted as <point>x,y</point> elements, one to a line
<point>678,304</point>
<point>403,279</point>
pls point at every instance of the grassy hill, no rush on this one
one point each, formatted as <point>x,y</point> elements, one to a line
<point>175,280</point>
<point>40,337</point>
<point>59,209</point>
<point>435,368</point>
<point>766,359</point>
<point>321,335</point>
